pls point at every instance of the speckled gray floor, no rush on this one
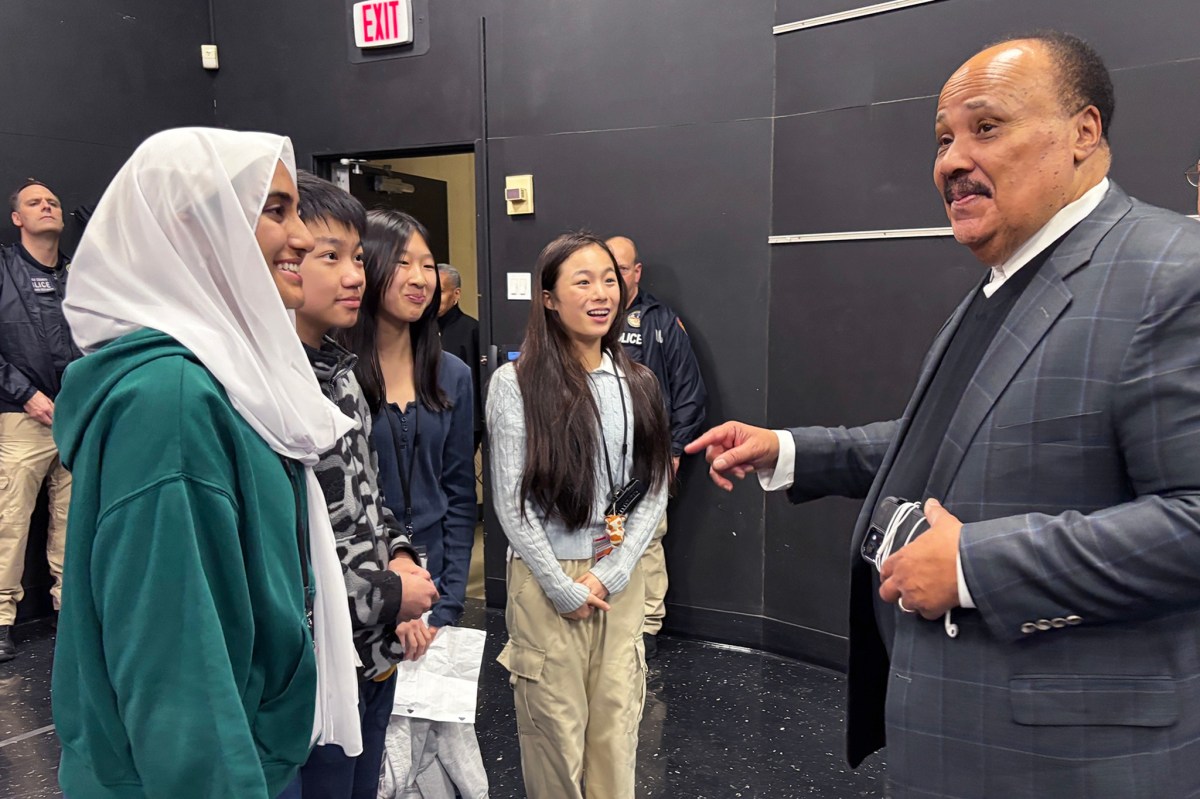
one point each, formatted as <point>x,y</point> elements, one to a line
<point>28,748</point>
<point>719,723</point>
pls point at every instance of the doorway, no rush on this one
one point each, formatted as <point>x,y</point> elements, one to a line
<point>440,191</point>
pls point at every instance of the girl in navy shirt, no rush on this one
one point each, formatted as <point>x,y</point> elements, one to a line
<point>421,399</point>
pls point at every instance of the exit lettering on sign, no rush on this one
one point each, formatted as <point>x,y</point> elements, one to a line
<point>382,23</point>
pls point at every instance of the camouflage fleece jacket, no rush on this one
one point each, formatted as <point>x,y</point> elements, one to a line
<point>368,535</point>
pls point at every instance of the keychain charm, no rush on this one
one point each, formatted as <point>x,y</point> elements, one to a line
<point>615,522</point>
<point>613,535</point>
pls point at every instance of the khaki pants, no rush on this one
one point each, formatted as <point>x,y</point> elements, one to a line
<point>578,686</point>
<point>27,459</point>
<point>654,568</point>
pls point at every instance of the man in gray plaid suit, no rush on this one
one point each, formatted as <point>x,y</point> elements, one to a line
<point>1055,432</point>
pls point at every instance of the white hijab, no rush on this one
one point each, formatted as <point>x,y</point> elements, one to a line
<point>171,247</point>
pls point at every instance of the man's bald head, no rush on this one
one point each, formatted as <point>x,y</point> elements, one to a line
<point>1082,78</point>
<point>1015,141</point>
<point>625,251</point>
<point>626,247</point>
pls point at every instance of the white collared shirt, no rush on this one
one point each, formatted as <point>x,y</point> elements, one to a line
<point>1067,217</point>
<point>1070,215</point>
<point>607,365</point>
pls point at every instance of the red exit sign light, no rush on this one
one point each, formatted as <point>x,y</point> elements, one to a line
<point>382,23</point>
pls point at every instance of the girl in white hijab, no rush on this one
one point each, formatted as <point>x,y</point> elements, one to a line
<point>199,548</point>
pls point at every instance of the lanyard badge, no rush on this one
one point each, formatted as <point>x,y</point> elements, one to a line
<point>622,499</point>
<point>406,476</point>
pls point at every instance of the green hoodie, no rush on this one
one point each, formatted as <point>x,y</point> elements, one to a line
<point>184,665</point>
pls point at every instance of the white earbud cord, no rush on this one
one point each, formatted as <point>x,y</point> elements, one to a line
<point>911,513</point>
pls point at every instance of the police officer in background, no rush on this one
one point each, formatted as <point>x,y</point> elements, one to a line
<point>460,334</point>
<point>34,351</point>
<point>655,337</point>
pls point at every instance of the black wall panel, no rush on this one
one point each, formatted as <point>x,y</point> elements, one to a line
<point>627,63</point>
<point>877,160</point>
<point>77,171</point>
<point>103,73</point>
<point>860,168</point>
<point>850,324</point>
<point>911,52</point>
<point>285,68</point>
<point>695,200</point>
<point>1156,132</point>
<point>84,85</point>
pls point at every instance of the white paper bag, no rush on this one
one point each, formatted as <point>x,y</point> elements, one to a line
<point>443,684</point>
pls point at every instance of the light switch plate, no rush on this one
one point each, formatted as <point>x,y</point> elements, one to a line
<point>208,56</point>
<point>519,286</point>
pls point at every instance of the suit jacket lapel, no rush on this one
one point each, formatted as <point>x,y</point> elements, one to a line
<point>1035,312</point>
<point>936,350</point>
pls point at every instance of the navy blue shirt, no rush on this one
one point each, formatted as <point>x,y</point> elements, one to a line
<point>442,484</point>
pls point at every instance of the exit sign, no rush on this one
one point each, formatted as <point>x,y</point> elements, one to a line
<point>382,23</point>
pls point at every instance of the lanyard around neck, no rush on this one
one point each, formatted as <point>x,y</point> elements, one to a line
<point>407,475</point>
<point>612,484</point>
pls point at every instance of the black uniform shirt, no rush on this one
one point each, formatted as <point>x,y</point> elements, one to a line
<point>48,285</point>
<point>631,336</point>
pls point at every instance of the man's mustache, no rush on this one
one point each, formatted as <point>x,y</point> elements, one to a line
<point>963,186</point>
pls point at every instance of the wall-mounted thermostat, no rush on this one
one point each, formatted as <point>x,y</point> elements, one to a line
<point>518,194</point>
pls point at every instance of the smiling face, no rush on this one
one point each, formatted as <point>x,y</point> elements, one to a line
<point>413,283</point>
<point>334,277</point>
<point>1009,153</point>
<point>283,238</point>
<point>586,295</point>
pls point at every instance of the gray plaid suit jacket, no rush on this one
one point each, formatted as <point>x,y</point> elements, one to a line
<point>1073,461</point>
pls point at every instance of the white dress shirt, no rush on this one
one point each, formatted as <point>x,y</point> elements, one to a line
<point>783,475</point>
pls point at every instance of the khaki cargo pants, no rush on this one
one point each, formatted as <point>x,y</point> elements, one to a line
<point>27,459</point>
<point>578,686</point>
<point>654,570</point>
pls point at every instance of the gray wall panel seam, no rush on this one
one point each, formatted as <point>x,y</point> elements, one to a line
<point>631,128</point>
<point>41,137</point>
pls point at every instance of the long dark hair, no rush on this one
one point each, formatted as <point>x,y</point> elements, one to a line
<point>561,436</point>
<point>388,234</point>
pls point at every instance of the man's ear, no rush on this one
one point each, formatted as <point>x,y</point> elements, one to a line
<point>16,219</point>
<point>1088,134</point>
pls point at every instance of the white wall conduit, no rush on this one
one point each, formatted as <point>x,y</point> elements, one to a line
<point>863,235</point>
<point>842,16</point>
